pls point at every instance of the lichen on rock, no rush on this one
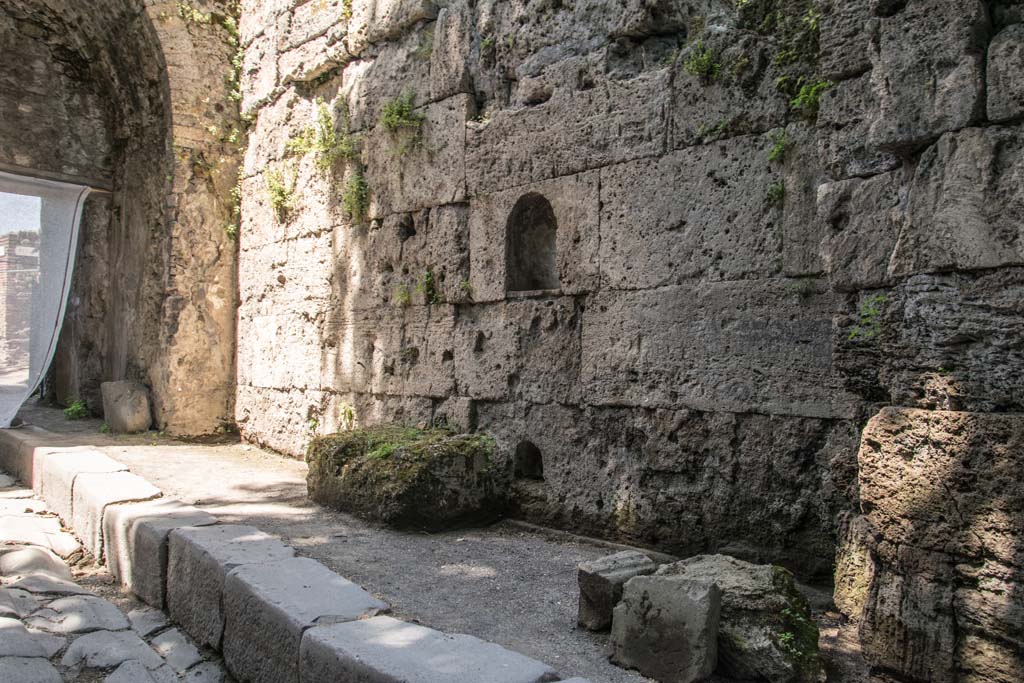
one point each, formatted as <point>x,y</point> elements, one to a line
<point>407,477</point>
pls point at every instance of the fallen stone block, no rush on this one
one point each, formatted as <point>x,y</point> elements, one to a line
<point>199,560</point>
<point>108,649</point>
<point>135,543</point>
<point>94,492</point>
<point>385,650</point>
<point>408,478</point>
<point>33,560</point>
<point>765,630</point>
<point>601,582</point>
<point>78,614</point>
<point>55,472</point>
<point>666,628</point>
<point>28,670</point>
<point>268,606</point>
<point>126,407</point>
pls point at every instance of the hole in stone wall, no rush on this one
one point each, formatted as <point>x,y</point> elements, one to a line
<point>530,251</point>
<point>529,462</point>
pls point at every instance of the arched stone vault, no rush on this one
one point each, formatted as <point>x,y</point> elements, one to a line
<point>137,96</point>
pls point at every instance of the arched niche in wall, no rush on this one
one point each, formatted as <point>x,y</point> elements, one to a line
<point>531,255</point>
<point>529,462</point>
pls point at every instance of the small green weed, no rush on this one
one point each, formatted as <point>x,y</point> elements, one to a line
<point>192,15</point>
<point>347,416</point>
<point>324,140</point>
<point>807,101</point>
<point>778,149</point>
<point>279,191</point>
<point>400,118</point>
<point>104,428</point>
<point>77,410</point>
<point>402,296</point>
<point>869,324</point>
<point>428,288</point>
<point>355,198</point>
<point>702,63</point>
<point>466,289</point>
<point>313,425</point>
<point>776,195</point>
<point>346,9</point>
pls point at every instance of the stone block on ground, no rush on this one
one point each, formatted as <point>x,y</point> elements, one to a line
<point>667,628</point>
<point>601,583</point>
<point>78,614</point>
<point>126,407</point>
<point>28,670</point>
<point>385,650</point>
<point>32,560</point>
<point>135,543</point>
<point>268,606</point>
<point>407,477</point>
<point>765,631</point>
<point>56,470</point>
<point>93,493</point>
<point>199,560</point>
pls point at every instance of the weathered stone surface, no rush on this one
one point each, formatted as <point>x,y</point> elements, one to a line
<point>147,621</point>
<point>40,531</point>
<point>28,670</point>
<point>126,407</point>
<point>765,629</point>
<point>207,672</point>
<point>16,604</point>
<point>78,614</point>
<point>601,583</point>
<point>40,583</point>
<point>93,494</point>
<point>940,524</point>
<point>199,560</point>
<point>667,628</point>
<point>16,641</point>
<point>407,477</point>
<point>32,560</point>
<point>135,543</point>
<point>55,471</point>
<point>1005,64</point>
<point>176,650</point>
<point>268,606</point>
<point>108,649</point>
<point>383,649</point>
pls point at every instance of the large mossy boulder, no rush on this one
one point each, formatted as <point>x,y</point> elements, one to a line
<point>766,630</point>
<point>408,478</point>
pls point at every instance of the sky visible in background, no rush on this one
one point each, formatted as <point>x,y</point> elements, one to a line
<point>18,212</point>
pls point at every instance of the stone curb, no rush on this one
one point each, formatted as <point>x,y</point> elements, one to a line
<point>218,580</point>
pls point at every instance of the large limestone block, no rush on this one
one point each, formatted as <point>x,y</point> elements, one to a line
<point>667,628</point>
<point>374,22</point>
<point>965,205</point>
<point>844,39</point>
<point>135,543</point>
<point>385,650</point>
<point>847,111</point>
<point>126,408</point>
<point>94,493</point>
<point>407,477</point>
<point>56,470</point>
<point>928,71</point>
<point>268,606</point>
<point>199,561</point>
<point>601,583</point>
<point>766,630</point>
<point>1003,78</point>
<point>662,221</point>
<point>450,56</point>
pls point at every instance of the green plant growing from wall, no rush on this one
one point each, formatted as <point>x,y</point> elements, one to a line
<point>776,195</point>
<point>428,288</point>
<point>346,9</point>
<point>869,323</point>
<point>402,296</point>
<point>355,198</point>
<point>400,118</point>
<point>193,15</point>
<point>702,62</point>
<point>466,289</point>
<point>807,100</point>
<point>279,192</point>
<point>104,428</point>
<point>77,410</point>
<point>324,140</point>
<point>777,152</point>
<point>313,425</point>
<point>233,227</point>
<point>346,416</point>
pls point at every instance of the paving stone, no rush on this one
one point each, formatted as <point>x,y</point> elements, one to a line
<point>147,621</point>
<point>45,583</point>
<point>384,650</point>
<point>51,644</point>
<point>268,606</point>
<point>134,671</point>
<point>575,680</point>
<point>199,559</point>
<point>135,543</point>
<point>33,560</point>
<point>78,614</point>
<point>94,492</point>
<point>16,493</point>
<point>667,628</point>
<point>16,603</point>
<point>107,649</point>
<point>21,506</point>
<point>57,468</point>
<point>176,649</point>
<point>16,641</point>
<point>28,670</point>
<point>37,530</point>
<point>207,672</point>
<point>601,583</point>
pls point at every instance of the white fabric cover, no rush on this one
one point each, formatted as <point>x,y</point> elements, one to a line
<point>39,222</point>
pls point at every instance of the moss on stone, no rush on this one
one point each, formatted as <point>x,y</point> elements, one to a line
<point>407,477</point>
<point>797,633</point>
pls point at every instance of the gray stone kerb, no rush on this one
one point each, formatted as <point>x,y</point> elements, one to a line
<point>277,617</point>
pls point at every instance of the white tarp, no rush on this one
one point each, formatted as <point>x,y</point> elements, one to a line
<point>39,222</point>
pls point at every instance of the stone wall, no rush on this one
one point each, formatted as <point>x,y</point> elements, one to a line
<point>135,97</point>
<point>771,220</point>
